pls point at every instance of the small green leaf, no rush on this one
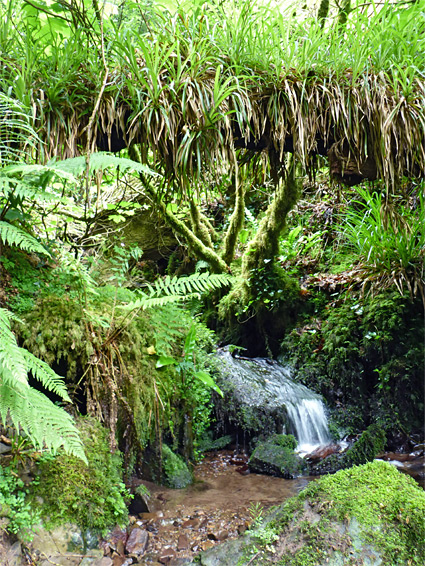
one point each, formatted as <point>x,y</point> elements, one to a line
<point>208,380</point>
<point>165,361</point>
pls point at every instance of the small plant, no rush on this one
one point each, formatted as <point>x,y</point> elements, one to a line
<point>14,504</point>
<point>256,513</point>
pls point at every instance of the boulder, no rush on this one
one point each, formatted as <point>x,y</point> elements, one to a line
<point>365,449</point>
<point>276,457</point>
<point>370,514</point>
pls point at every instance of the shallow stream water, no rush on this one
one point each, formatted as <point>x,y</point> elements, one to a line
<point>222,503</point>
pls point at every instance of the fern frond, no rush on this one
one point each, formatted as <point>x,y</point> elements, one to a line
<point>28,409</point>
<point>172,289</point>
<point>27,169</point>
<point>14,236</point>
<point>9,186</point>
<point>197,282</point>
<point>13,367</point>
<point>100,161</point>
<point>146,302</point>
<point>47,425</point>
<point>44,373</point>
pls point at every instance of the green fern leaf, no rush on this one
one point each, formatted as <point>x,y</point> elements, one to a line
<point>100,161</point>
<point>174,289</point>
<point>13,368</point>
<point>44,373</point>
<point>14,236</point>
<point>47,425</point>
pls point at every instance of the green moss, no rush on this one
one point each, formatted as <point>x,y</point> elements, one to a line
<point>276,457</point>
<point>365,449</point>
<point>175,470</point>
<point>367,515</point>
<point>371,507</point>
<point>92,496</point>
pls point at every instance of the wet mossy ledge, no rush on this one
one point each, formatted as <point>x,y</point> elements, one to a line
<point>366,515</point>
<point>276,457</point>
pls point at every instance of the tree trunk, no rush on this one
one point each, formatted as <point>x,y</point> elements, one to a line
<point>236,220</point>
<point>265,244</point>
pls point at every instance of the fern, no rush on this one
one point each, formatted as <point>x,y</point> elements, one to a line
<point>46,424</point>
<point>14,236</point>
<point>173,289</point>
<point>100,161</point>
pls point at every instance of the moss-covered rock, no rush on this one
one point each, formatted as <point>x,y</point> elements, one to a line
<point>365,449</point>
<point>175,471</point>
<point>92,496</point>
<point>366,515</point>
<point>275,456</point>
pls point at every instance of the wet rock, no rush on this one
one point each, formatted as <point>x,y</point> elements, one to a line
<point>322,452</point>
<point>183,542</point>
<point>115,541</point>
<point>137,542</point>
<point>365,449</point>
<point>12,556</point>
<point>122,561</point>
<point>105,561</point>
<point>276,457</point>
<point>166,556</point>
<point>218,535</point>
<point>191,523</point>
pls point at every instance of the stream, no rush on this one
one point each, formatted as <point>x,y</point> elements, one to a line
<point>221,504</point>
<point>225,498</point>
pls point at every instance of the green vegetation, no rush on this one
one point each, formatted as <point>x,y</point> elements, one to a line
<point>224,122</point>
<point>369,512</point>
<point>93,496</point>
<point>175,470</point>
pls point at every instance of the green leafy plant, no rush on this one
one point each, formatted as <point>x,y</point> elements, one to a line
<point>186,365</point>
<point>389,239</point>
<point>15,504</point>
<point>46,424</point>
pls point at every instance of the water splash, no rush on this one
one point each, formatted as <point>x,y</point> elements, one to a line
<point>265,382</point>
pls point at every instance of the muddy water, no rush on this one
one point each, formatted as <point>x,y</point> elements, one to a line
<point>221,504</point>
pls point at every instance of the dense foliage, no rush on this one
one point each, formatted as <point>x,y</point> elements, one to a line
<point>120,264</point>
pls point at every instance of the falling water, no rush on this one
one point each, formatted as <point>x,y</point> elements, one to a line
<point>267,382</point>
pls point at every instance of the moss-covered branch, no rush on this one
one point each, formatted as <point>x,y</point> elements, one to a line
<point>196,245</point>
<point>265,244</point>
<point>199,228</point>
<point>236,220</point>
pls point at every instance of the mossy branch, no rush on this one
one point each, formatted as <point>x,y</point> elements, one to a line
<point>199,228</point>
<point>236,219</point>
<point>265,244</point>
<point>196,245</point>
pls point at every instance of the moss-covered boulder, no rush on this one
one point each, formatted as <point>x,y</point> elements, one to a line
<point>91,496</point>
<point>276,457</point>
<point>365,449</point>
<point>366,515</point>
<point>176,474</point>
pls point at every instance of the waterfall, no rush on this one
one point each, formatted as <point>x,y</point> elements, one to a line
<point>263,381</point>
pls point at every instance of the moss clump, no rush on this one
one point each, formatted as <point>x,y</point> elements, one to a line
<point>367,515</point>
<point>365,449</point>
<point>175,471</point>
<point>276,457</point>
<point>91,496</point>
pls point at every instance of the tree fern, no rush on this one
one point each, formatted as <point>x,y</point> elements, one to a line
<point>173,289</point>
<point>46,424</point>
<point>14,236</point>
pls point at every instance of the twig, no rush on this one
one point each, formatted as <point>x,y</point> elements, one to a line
<point>254,557</point>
